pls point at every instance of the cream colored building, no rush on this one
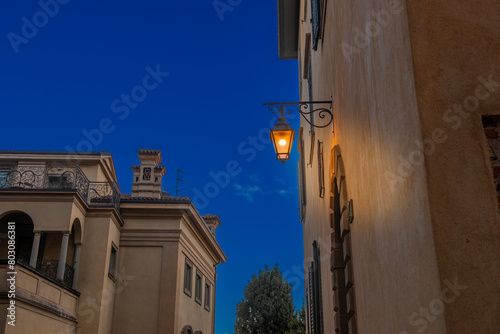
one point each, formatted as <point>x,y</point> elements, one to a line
<point>91,260</point>
<point>399,199</point>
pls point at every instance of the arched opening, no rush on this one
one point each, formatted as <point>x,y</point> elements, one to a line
<point>49,255</point>
<point>23,235</point>
<point>76,231</point>
<point>187,330</point>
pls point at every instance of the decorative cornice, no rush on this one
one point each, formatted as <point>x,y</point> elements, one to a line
<point>148,152</point>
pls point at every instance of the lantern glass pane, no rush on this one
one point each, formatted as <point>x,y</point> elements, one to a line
<point>282,143</point>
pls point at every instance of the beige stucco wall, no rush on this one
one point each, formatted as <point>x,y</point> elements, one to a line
<point>136,309</point>
<point>376,121</point>
<point>96,286</point>
<point>148,255</point>
<point>31,290</point>
<point>456,47</point>
<point>29,318</point>
<point>190,312</point>
<point>47,214</point>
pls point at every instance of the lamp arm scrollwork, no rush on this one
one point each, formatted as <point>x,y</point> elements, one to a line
<point>303,109</point>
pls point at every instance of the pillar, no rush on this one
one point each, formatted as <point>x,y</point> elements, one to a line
<point>35,248</point>
<point>76,260</point>
<point>61,266</point>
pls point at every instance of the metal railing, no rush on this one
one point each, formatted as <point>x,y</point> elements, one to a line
<point>104,194</point>
<point>60,177</point>
<point>49,268</point>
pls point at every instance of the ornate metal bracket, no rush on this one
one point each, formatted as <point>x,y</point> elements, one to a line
<point>304,108</point>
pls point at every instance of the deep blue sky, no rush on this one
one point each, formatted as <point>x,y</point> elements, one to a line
<point>64,78</point>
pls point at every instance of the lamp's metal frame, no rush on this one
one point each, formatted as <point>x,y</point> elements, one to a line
<point>303,108</point>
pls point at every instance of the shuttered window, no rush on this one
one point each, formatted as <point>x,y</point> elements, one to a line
<point>321,170</point>
<point>299,182</point>
<point>300,175</point>
<point>315,302</point>
<point>310,87</point>
<point>316,21</point>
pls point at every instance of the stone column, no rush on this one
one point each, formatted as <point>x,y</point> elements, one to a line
<point>35,248</point>
<point>76,260</point>
<point>61,266</point>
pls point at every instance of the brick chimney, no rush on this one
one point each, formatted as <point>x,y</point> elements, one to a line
<point>212,222</point>
<point>147,176</point>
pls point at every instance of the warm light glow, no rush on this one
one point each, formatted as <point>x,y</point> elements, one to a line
<point>282,140</point>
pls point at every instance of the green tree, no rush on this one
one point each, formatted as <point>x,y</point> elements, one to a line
<point>268,305</point>
<point>298,324</point>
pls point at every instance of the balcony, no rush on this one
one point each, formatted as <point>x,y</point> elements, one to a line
<point>49,268</point>
<point>60,177</point>
<point>39,290</point>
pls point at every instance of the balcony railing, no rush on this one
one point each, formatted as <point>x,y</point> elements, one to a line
<point>60,177</point>
<point>49,268</point>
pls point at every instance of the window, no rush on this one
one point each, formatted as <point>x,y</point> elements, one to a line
<point>491,125</point>
<point>300,175</point>
<point>315,302</point>
<point>187,330</point>
<point>112,261</point>
<point>321,170</point>
<point>197,288</point>
<point>188,278</point>
<point>207,296</point>
<point>146,175</point>
<point>317,20</point>
<point>310,88</point>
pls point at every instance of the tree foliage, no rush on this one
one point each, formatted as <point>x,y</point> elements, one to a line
<point>298,323</point>
<point>267,307</point>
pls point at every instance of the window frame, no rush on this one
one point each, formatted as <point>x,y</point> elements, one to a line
<point>318,15</point>
<point>198,288</point>
<point>113,255</point>
<point>315,293</point>
<point>207,295</point>
<point>301,176</point>
<point>188,281</point>
<point>147,177</point>
<point>321,170</point>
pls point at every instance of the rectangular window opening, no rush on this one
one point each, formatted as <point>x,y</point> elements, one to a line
<point>188,278</point>
<point>321,170</point>
<point>197,288</point>
<point>207,296</point>
<point>112,262</point>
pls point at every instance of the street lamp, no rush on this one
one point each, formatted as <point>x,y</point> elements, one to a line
<point>282,134</point>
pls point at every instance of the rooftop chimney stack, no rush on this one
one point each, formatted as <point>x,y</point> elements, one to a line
<point>147,176</point>
<point>212,222</point>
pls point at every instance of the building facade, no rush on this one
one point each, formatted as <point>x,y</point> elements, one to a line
<point>399,197</point>
<point>91,260</point>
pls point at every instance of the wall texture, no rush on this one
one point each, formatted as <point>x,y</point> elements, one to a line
<point>456,52</point>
